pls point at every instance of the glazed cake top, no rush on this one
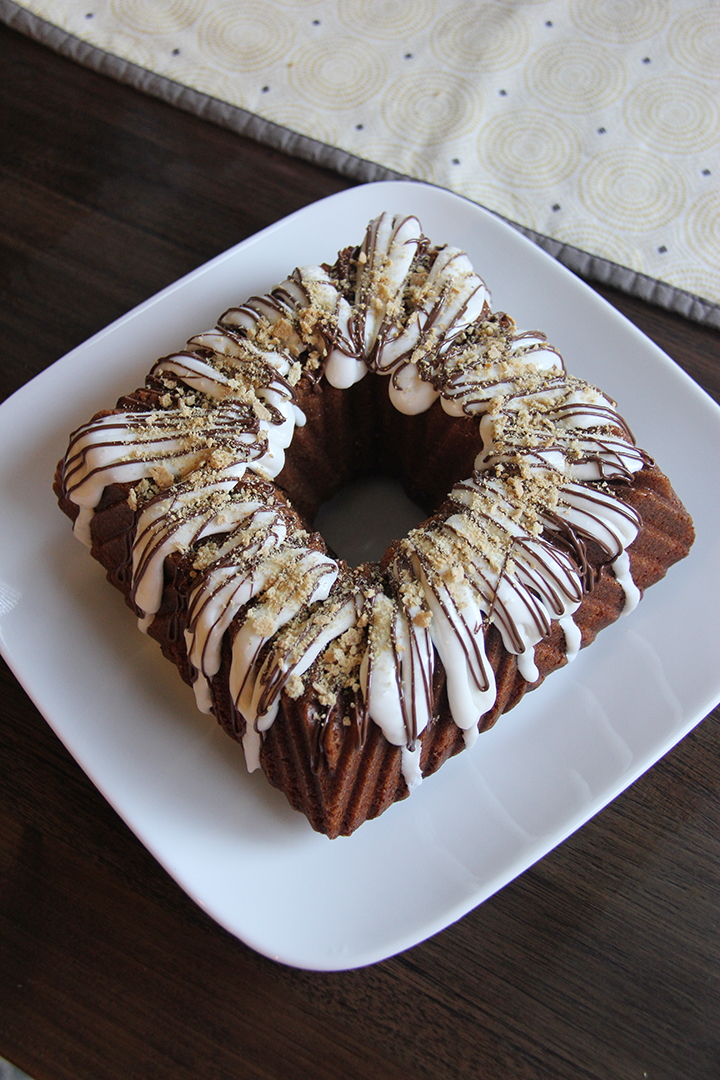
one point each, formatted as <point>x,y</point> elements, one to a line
<point>508,549</point>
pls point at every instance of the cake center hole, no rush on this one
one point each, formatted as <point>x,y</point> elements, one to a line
<point>361,521</point>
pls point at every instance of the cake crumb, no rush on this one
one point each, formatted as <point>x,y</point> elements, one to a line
<point>162,476</point>
<point>294,374</point>
<point>325,695</point>
<point>294,687</point>
<point>262,623</point>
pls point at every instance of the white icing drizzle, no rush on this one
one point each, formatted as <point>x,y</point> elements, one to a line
<point>454,298</point>
<point>176,523</point>
<point>239,415</point>
<point>384,263</point>
<point>508,551</point>
<point>284,583</point>
<point>165,447</point>
<point>573,636</point>
<point>621,569</point>
<point>307,310</point>
<point>456,632</point>
<point>410,766</point>
<point>482,566</point>
<point>396,672</point>
<point>227,584</point>
<point>402,310</point>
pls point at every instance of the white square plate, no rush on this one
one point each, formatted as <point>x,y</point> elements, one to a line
<point>228,838</point>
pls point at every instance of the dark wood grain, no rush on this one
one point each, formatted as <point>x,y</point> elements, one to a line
<point>599,963</point>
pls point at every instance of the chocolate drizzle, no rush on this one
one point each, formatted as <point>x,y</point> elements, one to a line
<point>508,549</point>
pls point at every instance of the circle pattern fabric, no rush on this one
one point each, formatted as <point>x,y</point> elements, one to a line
<point>338,78</point>
<point>386,20</point>
<point>438,108</point>
<point>695,41</point>
<point>620,22</point>
<point>529,149</point>
<point>580,77</point>
<point>673,115</point>
<point>632,187</point>
<point>593,122</point>
<point>473,37</point>
<point>172,17</point>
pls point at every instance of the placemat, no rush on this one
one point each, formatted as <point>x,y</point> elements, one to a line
<point>591,125</point>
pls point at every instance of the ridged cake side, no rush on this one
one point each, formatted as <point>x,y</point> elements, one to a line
<point>340,774</point>
<point>197,494</point>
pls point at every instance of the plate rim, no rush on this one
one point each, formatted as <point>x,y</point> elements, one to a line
<point>27,394</point>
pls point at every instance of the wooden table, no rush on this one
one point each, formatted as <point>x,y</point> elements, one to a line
<point>600,962</point>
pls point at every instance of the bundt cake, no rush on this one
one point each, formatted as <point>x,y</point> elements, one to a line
<point>348,685</point>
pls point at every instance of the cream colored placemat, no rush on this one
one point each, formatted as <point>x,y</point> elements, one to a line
<point>594,125</point>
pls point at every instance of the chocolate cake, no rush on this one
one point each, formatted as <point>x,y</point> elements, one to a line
<point>347,686</point>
